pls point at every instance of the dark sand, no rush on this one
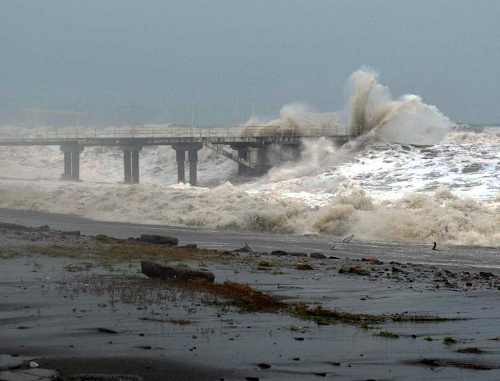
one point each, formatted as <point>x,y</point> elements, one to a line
<point>51,309</point>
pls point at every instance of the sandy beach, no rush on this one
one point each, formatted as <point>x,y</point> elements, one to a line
<point>80,305</point>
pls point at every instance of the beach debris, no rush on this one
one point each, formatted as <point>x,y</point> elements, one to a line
<point>188,246</point>
<point>449,340</point>
<point>106,239</point>
<point>373,261</point>
<point>332,247</point>
<point>348,239</point>
<point>483,274</point>
<point>317,256</point>
<point>279,252</point>
<point>387,334</point>
<point>303,266</point>
<point>335,363</point>
<point>434,247</point>
<point>33,364</point>
<point>353,270</point>
<point>455,364</point>
<point>264,366</point>
<point>294,328</point>
<point>292,253</point>
<point>157,270</point>
<point>159,239</point>
<point>173,321</point>
<point>104,377</point>
<point>266,264</point>
<point>244,249</point>
<point>15,365</point>
<point>321,374</point>
<point>470,350</point>
<point>30,374</point>
<point>107,330</point>
<point>252,378</point>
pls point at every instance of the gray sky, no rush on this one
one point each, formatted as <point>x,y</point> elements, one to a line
<point>152,55</point>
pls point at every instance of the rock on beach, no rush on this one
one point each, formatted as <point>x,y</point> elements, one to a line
<point>159,239</point>
<point>157,270</point>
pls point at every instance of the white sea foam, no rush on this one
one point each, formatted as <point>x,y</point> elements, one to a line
<point>448,192</point>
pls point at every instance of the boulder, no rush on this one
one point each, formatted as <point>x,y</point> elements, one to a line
<point>159,239</point>
<point>318,256</point>
<point>353,270</point>
<point>292,253</point>
<point>157,270</point>
<point>373,261</point>
<point>279,252</point>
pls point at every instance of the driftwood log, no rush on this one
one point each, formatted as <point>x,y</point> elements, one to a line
<point>157,270</point>
<point>159,239</point>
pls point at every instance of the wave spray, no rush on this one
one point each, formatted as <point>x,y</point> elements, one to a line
<point>407,120</point>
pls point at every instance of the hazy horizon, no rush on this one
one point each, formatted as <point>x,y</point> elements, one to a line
<point>94,57</point>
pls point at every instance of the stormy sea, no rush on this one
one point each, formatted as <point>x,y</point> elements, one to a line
<point>414,176</point>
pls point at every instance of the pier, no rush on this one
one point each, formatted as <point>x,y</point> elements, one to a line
<point>249,143</point>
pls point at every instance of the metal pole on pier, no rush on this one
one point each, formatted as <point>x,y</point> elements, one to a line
<point>177,115</point>
<point>129,116</point>
<point>253,113</point>
<point>192,118</point>
<point>116,116</point>
<point>236,114</point>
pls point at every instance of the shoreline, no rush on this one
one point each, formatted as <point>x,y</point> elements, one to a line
<point>61,288</point>
<point>458,256</point>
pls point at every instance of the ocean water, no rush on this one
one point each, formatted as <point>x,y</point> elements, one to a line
<point>413,176</point>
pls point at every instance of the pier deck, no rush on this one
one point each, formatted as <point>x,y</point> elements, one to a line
<point>250,142</point>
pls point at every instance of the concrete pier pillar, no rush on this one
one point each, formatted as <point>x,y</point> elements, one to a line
<point>263,160</point>
<point>131,164</point>
<point>71,161</point>
<point>75,165</point>
<point>262,156</point>
<point>193,167</point>
<point>242,153</point>
<point>180,157</point>
<point>253,155</point>
<point>67,164</point>
<point>135,166</point>
<point>127,167</point>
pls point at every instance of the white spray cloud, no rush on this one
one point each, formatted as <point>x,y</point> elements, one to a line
<point>315,155</point>
<point>407,120</point>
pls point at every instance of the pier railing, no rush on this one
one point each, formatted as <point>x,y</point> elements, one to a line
<point>189,132</point>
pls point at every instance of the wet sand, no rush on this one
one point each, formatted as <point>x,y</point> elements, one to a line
<point>53,310</point>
